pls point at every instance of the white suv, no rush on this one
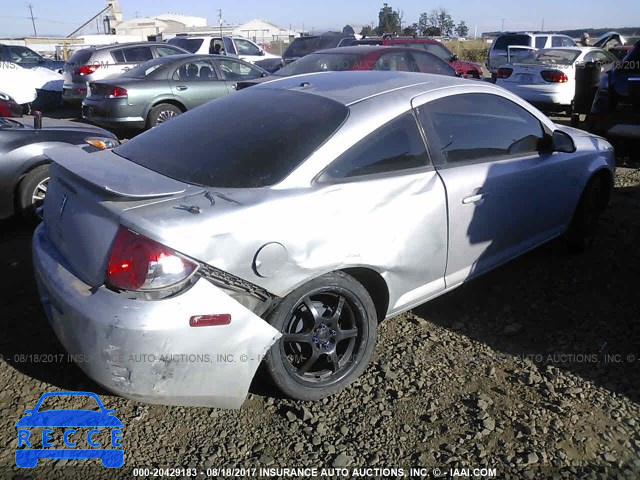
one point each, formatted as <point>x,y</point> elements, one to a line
<point>510,45</point>
<point>233,46</point>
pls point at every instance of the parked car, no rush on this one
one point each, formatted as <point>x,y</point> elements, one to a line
<point>361,58</point>
<point>160,89</point>
<point>9,107</point>
<point>24,169</point>
<point>466,69</point>
<point>508,46</point>
<point>616,107</point>
<point>307,44</point>
<point>547,78</point>
<point>27,58</point>
<point>290,218</point>
<point>233,46</point>
<point>109,61</point>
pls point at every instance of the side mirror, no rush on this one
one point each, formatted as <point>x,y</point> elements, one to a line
<point>261,52</point>
<point>562,142</point>
<point>455,58</point>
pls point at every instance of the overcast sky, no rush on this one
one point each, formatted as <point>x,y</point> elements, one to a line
<point>60,17</point>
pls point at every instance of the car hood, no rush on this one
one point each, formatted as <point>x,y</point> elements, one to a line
<point>69,418</point>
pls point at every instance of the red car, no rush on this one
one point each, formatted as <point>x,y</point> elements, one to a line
<point>465,69</point>
<point>361,57</point>
<point>9,108</point>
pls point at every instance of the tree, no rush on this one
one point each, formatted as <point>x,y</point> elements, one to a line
<point>440,19</point>
<point>462,30</point>
<point>388,20</point>
<point>367,31</point>
<point>423,23</point>
<point>348,30</point>
<point>410,30</point>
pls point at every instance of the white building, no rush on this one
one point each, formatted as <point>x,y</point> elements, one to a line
<point>264,32</point>
<point>144,28</point>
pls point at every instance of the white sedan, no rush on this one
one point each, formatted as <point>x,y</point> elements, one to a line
<point>547,78</point>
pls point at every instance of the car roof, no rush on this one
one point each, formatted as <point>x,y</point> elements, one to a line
<point>124,45</point>
<point>411,40</point>
<point>350,87</point>
<point>365,49</point>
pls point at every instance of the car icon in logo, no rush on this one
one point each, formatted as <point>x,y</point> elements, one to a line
<point>69,433</point>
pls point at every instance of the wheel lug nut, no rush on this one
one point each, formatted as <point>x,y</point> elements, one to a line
<point>333,332</point>
<point>314,339</point>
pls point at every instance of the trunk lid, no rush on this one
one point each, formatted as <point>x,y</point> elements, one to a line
<point>86,195</point>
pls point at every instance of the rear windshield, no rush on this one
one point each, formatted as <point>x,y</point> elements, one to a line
<point>253,138</point>
<point>555,56</point>
<point>435,48</point>
<point>320,62</point>
<point>503,41</point>
<point>80,57</point>
<point>189,44</point>
<point>147,68</point>
<point>301,47</point>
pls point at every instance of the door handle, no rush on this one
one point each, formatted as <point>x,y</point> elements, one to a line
<point>181,87</point>
<point>234,86</point>
<point>478,197</point>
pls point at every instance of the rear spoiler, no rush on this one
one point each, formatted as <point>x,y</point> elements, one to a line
<point>114,174</point>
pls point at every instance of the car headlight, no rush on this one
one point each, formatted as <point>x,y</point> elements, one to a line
<point>102,143</point>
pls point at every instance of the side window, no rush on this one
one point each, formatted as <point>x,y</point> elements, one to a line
<point>216,46</point>
<point>195,71</point>
<point>137,54</point>
<point>118,56</point>
<point>394,61</point>
<point>427,63</point>
<point>568,42</point>
<point>235,71</point>
<point>473,127</point>
<point>167,51</point>
<point>394,147</point>
<point>556,42</point>
<point>246,48</point>
<point>541,42</point>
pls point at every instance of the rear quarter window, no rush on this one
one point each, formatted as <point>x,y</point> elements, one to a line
<point>118,56</point>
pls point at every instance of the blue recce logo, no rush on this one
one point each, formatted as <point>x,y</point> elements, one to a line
<point>32,447</point>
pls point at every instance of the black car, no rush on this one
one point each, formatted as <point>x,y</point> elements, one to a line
<point>27,58</point>
<point>24,169</point>
<point>307,44</point>
<point>616,108</point>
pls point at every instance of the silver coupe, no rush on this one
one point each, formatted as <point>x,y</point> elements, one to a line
<point>281,224</point>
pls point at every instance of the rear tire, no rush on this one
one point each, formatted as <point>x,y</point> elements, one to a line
<point>31,192</point>
<point>583,226</point>
<point>162,113</point>
<point>329,328</point>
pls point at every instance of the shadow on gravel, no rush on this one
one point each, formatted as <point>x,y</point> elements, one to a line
<point>27,342</point>
<point>580,313</point>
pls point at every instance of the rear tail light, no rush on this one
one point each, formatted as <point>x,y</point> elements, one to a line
<point>86,69</point>
<point>137,263</point>
<point>505,72</point>
<point>554,76</point>
<point>117,92</point>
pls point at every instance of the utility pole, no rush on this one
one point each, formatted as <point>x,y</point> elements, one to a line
<point>33,21</point>
<point>220,22</point>
<point>502,28</point>
<point>542,29</point>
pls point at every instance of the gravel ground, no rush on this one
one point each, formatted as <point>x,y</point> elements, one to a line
<point>532,370</point>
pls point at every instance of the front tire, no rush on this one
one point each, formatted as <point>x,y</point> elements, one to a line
<point>329,328</point>
<point>32,191</point>
<point>162,113</point>
<point>584,224</point>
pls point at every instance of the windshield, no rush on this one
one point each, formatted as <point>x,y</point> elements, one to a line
<point>553,55</point>
<point>252,138</point>
<point>146,68</point>
<point>301,47</point>
<point>189,44</point>
<point>503,41</point>
<point>23,55</point>
<point>437,49</point>
<point>320,62</point>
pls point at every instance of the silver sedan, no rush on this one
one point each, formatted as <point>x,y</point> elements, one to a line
<point>281,224</point>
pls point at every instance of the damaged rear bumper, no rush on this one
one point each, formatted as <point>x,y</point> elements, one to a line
<point>147,350</point>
